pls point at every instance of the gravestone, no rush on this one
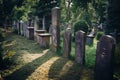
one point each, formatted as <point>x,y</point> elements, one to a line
<point>25,28</point>
<point>37,34</point>
<point>30,33</point>
<point>104,58</point>
<point>36,26</point>
<point>21,28</point>
<point>14,26</point>
<point>67,43</point>
<point>80,38</point>
<point>55,28</point>
<point>44,40</point>
<point>18,26</point>
<point>90,39</point>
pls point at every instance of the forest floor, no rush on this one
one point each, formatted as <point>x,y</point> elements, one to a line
<point>29,62</point>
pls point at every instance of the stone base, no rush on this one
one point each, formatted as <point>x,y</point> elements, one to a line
<point>37,32</point>
<point>44,40</point>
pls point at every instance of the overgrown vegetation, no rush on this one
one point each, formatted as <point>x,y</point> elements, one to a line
<point>99,35</point>
<point>81,25</point>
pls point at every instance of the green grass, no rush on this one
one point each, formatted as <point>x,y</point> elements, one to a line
<point>90,54</point>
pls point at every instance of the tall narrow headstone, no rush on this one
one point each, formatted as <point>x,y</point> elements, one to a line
<point>21,28</point>
<point>80,38</point>
<point>36,26</point>
<point>55,28</point>
<point>67,43</point>
<point>30,34</point>
<point>18,26</point>
<point>104,58</point>
<point>14,25</point>
<point>25,28</point>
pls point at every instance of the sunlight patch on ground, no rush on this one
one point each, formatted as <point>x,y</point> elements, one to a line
<point>9,44</point>
<point>41,73</point>
<point>66,67</point>
<point>29,57</point>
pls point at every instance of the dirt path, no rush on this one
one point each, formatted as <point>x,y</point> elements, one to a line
<point>33,63</point>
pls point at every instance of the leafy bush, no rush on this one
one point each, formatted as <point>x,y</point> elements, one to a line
<point>99,35</point>
<point>81,25</point>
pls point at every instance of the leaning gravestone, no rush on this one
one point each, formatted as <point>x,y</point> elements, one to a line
<point>55,28</point>
<point>104,58</point>
<point>80,38</point>
<point>67,43</point>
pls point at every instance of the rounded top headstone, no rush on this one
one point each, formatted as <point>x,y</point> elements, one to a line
<point>56,8</point>
<point>107,38</point>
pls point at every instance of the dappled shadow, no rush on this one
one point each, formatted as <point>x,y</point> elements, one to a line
<point>28,69</point>
<point>64,69</point>
<point>56,67</point>
<point>73,73</point>
<point>77,72</point>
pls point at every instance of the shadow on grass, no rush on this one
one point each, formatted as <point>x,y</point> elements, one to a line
<point>64,69</point>
<point>57,67</point>
<point>26,70</point>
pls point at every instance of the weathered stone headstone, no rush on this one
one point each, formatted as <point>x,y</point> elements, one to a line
<point>14,26</point>
<point>90,39</point>
<point>30,33</point>
<point>104,58</point>
<point>21,28</point>
<point>80,38</point>
<point>67,43</point>
<point>44,40</point>
<point>18,26</point>
<point>25,28</point>
<point>36,27</point>
<point>55,28</point>
<point>37,34</point>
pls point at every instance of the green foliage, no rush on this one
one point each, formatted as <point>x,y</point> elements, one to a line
<point>22,12</point>
<point>81,25</point>
<point>99,35</point>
